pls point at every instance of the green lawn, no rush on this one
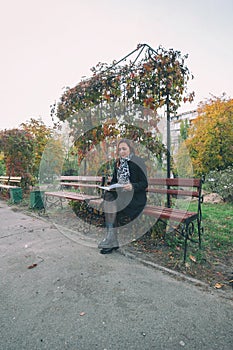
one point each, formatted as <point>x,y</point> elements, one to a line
<point>217,220</point>
<point>218,226</point>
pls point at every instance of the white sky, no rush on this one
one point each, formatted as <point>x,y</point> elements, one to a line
<point>47,45</point>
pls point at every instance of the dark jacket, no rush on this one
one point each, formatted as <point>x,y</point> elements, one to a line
<point>138,178</point>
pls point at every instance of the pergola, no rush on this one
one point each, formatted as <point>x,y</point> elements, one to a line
<point>152,78</point>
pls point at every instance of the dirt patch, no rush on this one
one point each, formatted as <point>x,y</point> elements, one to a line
<point>211,268</point>
<point>213,198</point>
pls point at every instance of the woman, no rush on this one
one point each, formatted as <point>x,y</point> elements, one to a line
<point>124,204</point>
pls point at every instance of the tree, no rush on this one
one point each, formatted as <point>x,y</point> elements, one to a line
<point>52,161</point>
<point>2,164</point>
<point>22,149</point>
<point>41,134</point>
<point>182,162</point>
<point>18,149</point>
<point>184,126</point>
<point>210,138</point>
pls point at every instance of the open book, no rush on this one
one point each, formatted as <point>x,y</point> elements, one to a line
<point>111,187</point>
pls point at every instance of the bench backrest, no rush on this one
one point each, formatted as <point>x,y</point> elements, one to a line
<point>175,186</point>
<point>178,188</point>
<point>83,178</point>
<point>10,179</point>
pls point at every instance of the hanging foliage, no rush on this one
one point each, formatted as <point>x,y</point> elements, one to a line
<point>125,90</point>
<point>158,75</point>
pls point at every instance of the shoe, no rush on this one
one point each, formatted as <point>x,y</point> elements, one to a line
<point>110,241</point>
<point>107,250</point>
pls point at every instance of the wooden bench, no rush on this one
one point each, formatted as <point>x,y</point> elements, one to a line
<point>156,207</point>
<point>9,186</point>
<point>184,219</point>
<point>85,188</point>
<point>7,182</point>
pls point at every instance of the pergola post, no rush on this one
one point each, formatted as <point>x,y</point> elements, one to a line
<point>168,147</point>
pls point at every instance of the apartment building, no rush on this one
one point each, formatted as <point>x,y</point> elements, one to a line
<point>175,126</point>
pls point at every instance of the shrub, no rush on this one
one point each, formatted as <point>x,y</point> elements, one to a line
<point>2,168</point>
<point>221,182</point>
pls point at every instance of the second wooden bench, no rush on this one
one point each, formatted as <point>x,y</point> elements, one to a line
<point>7,182</point>
<point>185,219</point>
<point>76,188</point>
<point>10,187</point>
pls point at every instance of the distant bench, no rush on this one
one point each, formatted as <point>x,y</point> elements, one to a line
<point>7,182</point>
<point>185,219</point>
<point>11,185</point>
<point>85,188</point>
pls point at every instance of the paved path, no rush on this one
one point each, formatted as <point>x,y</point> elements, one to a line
<point>76,298</point>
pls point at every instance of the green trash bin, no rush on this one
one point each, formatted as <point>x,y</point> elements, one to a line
<point>16,195</point>
<point>37,200</point>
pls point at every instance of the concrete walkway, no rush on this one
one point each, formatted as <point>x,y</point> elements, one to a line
<point>57,294</point>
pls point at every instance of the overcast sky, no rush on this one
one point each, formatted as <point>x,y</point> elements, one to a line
<point>47,45</point>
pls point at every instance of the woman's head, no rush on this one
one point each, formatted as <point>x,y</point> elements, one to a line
<point>125,148</point>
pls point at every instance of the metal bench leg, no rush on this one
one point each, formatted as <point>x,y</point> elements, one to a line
<point>185,243</point>
<point>200,231</point>
<point>188,233</point>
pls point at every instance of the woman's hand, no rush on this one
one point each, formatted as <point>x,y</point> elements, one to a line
<point>128,187</point>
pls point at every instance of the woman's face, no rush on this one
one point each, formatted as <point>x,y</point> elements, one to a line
<point>123,150</point>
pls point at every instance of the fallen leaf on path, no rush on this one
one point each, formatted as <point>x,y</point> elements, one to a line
<point>218,285</point>
<point>32,266</point>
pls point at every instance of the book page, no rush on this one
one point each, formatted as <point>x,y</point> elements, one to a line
<point>110,187</point>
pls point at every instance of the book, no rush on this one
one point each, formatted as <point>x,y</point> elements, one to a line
<point>111,187</point>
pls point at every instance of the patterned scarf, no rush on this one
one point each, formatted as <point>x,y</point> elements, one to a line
<point>123,170</point>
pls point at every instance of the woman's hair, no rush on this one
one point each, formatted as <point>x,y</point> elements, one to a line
<point>128,143</point>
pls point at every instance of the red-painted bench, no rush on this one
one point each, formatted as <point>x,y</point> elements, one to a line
<point>185,219</point>
<point>74,188</point>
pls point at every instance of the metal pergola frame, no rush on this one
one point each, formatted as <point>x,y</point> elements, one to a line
<point>150,50</point>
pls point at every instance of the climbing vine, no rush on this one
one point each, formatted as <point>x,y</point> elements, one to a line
<point>158,79</point>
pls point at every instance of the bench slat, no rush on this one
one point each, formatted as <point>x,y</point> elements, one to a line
<point>10,178</point>
<point>72,195</point>
<point>8,186</point>
<point>173,192</point>
<point>169,213</point>
<point>79,184</point>
<point>177,181</point>
<point>78,178</point>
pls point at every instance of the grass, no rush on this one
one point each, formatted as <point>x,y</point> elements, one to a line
<point>218,226</point>
<point>212,263</point>
<point>217,221</point>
